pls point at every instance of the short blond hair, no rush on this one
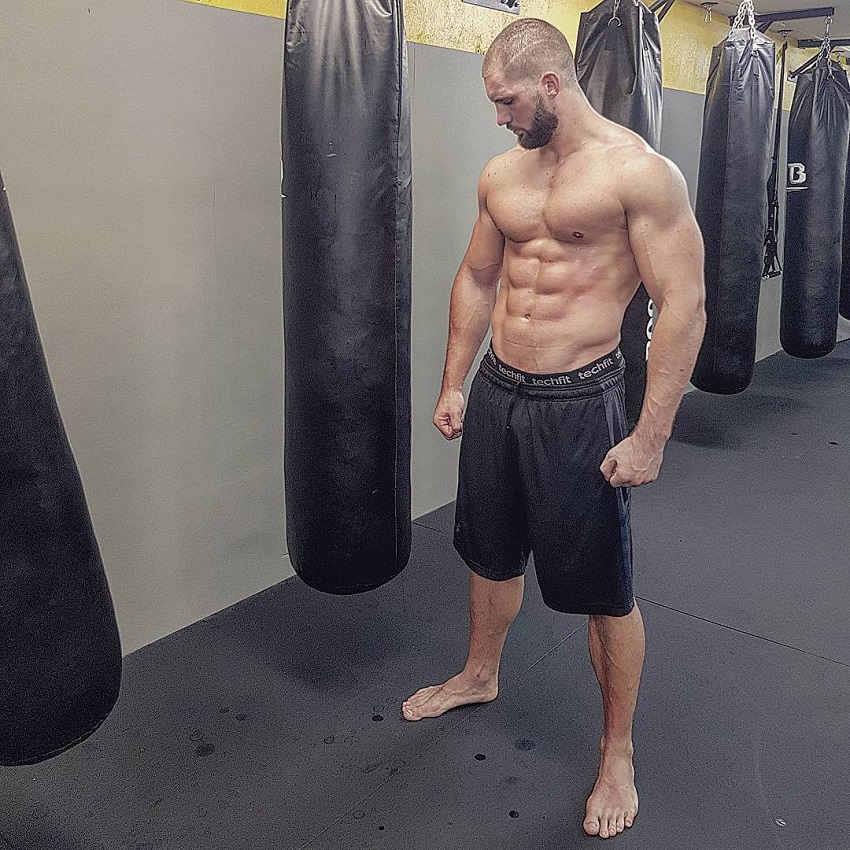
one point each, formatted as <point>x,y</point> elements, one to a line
<point>529,48</point>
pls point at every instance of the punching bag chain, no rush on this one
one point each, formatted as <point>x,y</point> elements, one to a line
<point>825,46</point>
<point>615,16</point>
<point>746,8</point>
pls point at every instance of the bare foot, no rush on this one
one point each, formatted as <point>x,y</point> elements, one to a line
<point>437,700</point>
<point>613,803</point>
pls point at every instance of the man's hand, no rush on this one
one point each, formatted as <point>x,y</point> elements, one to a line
<point>632,462</point>
<point>448,416</point>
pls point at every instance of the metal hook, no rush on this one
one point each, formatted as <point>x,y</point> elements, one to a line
<point>615,14</point>
<point>708,7</point>
<point>825,47</point>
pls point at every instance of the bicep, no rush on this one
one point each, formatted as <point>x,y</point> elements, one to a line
<point>486,249</point>
<point>665,239</point>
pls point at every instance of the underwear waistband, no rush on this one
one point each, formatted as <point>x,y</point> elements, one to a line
<point>593,375</point>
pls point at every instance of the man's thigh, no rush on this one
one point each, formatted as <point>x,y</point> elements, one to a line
<point>491,534</point>
<point>579,525</point>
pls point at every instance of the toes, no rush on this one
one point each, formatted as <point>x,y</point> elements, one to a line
<point>621,825</point>
<point>591,825</point>
<point>629,819</point>
<point>416,708</point>
<point>605,828</point>
<point>411,712</point>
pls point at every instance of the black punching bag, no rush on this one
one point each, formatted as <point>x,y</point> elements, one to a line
<point>618,64</point>
<point>732,205</point>
<point>844,300</point>
<point>347,297</point>
<point>60,657</point>
<point>818,135</point>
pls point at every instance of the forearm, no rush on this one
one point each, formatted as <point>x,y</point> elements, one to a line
<point>472,304</point>
<point>676,341</point>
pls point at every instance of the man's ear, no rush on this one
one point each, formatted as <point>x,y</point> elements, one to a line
<point>551,84</point>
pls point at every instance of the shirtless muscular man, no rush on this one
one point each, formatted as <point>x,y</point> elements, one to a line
<point>569,222</point>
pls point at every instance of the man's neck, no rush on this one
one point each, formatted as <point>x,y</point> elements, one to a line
<point>578,124</point>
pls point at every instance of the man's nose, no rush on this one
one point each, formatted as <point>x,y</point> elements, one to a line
<point>502,117</point>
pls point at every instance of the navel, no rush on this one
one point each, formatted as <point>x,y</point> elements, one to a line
<point>578,235</point>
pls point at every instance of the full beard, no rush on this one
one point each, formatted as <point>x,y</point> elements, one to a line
<point>543,126</point>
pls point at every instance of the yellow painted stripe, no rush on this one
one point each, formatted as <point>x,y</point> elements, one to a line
<point>686,39</point>
<point>461,26</point>
<point>270,8</point>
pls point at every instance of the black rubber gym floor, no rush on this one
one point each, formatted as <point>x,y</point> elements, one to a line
<point>274,725</point>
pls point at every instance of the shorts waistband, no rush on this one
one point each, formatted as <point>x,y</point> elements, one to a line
<point>594,377</point>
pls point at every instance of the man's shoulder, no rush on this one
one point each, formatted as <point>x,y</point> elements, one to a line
<point>630,155</point>
<point>652,185</point>
<point>502,164</point>
<point>641,172</point>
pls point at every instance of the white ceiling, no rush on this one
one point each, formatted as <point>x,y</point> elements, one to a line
<point>809,28</point>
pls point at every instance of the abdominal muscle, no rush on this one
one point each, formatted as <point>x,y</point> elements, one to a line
<point>560,306</point>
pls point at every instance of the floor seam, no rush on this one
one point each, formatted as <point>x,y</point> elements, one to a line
<point>744,632</point>
<point>431,528</point>
<point>557,646</point>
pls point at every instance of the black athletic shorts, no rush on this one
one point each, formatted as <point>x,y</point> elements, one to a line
<point>530,482</point>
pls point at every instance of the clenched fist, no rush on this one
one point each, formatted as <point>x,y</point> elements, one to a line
<point>632,462</point>
<point>448,416</point>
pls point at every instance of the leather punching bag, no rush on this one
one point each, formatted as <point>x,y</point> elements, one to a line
<point>732,205</point>
<point>60,656</point>
<point>844,299</point>
<point>619,69</point>
<point>818,135</point>
<point>347,296</point>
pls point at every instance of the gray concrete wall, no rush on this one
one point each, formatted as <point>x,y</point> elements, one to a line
<point>454,135</point>
<point>141,152</point>
<point>140,148</point>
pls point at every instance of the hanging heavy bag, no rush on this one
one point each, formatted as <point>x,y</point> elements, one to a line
<point>844,298</point>
<point>818,134</point>
<point>618,65</point>
<point>347,299</point>
<point>732,204</point>
<point>60,656</point>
